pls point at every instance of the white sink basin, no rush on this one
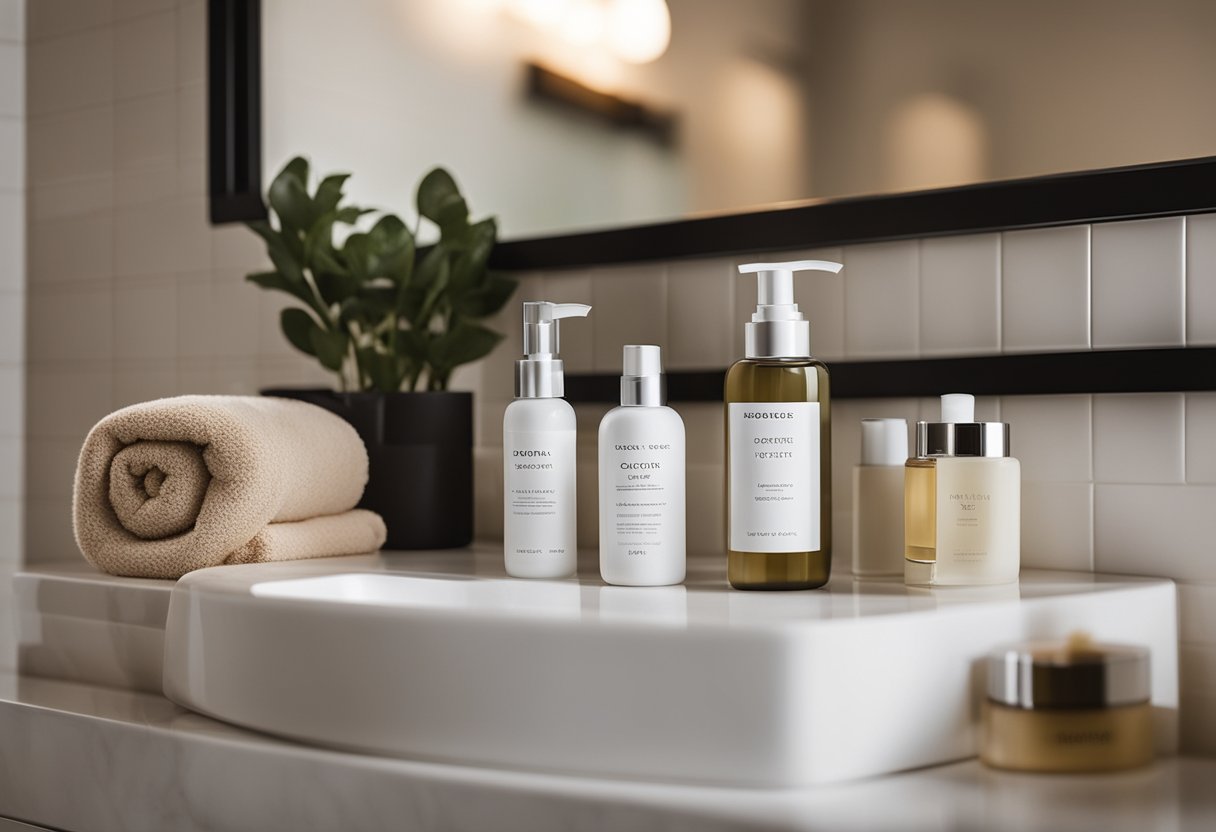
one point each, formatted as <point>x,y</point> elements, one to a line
<point>441,656</point>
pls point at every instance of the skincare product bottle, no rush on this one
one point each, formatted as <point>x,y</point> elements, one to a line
<point>778,444</point>
<point>642,479</point>
<point>878,499</point>
<point>962,501</point>
<point>538,442</point>
<point>1071,707</point>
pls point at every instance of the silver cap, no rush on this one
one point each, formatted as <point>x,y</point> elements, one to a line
<point>778,329</point>
<point>642,381</point>
<point>539,374</point>
<point>1074,674</point>
<point>989,439</point>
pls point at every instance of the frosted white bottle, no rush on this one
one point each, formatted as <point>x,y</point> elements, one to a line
<point>540,533</point>
<point>878,499</point>
<point>641,467</point>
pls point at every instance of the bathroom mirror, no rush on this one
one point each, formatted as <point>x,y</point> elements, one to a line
<point>568,115</point>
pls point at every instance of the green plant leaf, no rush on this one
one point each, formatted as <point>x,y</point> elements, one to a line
<point>488,298</point>
<point>472,246</point>
<point>434,293</point>
<point>392,244</point>
<point>413,345</point>
<point>439,200</point>
<point>329,348</point>
<point>383,371</point>
<point>298,326</point>
<point>461,344</point>
<point>336,286</point>
<point>285,261</point>
<point>289,198</point>
<point>329,193</point>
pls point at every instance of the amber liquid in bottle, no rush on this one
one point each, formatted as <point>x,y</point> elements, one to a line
<point>773,380</point>
<point>920,510</point>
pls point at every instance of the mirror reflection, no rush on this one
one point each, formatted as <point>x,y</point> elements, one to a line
<point>561,115</point>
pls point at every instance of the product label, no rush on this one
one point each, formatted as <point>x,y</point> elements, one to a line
<point>644,484</point>
<point>774,477</point>
<point>539,493</point>
<point>977,519</point>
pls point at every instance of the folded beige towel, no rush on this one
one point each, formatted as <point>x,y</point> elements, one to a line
<point>170,486</point>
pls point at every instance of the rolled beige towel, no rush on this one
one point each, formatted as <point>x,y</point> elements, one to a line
<point>170,486</point>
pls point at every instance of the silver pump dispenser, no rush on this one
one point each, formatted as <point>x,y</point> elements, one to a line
<point>778,328</point>
<point>539,374</point>
<point>642,381</point>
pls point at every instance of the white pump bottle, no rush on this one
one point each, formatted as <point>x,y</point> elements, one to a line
<point>540,538</point>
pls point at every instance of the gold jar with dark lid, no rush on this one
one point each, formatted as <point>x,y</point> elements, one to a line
<point>1068,706</point>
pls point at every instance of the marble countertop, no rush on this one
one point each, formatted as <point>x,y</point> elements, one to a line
<point>80,757</point>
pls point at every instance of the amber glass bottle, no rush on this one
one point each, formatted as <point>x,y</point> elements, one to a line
<point>778,444</point>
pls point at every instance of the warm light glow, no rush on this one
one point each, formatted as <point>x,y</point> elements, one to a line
<point>543,14</point>
<point>583,22</point>
<point>638,30</point>
<point>934,141</point>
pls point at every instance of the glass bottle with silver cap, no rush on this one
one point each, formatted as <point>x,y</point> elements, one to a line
<point>962,501</point>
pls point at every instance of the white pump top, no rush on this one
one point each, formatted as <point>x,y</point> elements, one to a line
<point>539,374</point>
<point>778,328</point>
<point>958,408</point>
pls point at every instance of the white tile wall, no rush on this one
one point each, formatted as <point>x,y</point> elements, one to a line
<point>960,295</point>
<point>1045,289</point>
<point>882,308</point>
<point>1138,283</point>
<point>1201,279</point>
<point>1138,438</point>
<point>630,307</point>
<point>700,314</point>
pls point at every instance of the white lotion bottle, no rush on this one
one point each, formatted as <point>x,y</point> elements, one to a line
<point>641,468</point>
<point>878,499</point>
<point>540,537</point>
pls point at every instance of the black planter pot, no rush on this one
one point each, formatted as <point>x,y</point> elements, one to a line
<point>420,449</point>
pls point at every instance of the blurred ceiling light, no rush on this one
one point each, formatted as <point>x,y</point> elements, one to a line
<point>638,30</point>
<point>543,14</point>
<point>583,22</point>
<point>934,140</point>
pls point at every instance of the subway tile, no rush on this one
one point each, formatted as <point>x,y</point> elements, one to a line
<point>192,177</point>
<point>1052,436</point>
<point>1197,669</point>
<point>1201,437</point>
<point>12,328</point>
<point>487,493</point>
<point>1201,279</point>
<point>960,295</point>
<point>66,402</point>
<point>71,145</point>
<point>69,72</point>
<point>12,79</point>
<point>192,121</point>
<point>143,381</point>
<point>588,509</point>
<point>1138,283</point>
<point>1138,438</point>
<point>881,299</point>
<point>144,185</point>
<point>1045,289</point>
<point>12,160</point>
<point>705,495</point>
<point>237,248</point>
<point>88,256</point>
<point>12,20</point>
<point>11,544</point>
<point>1057,526</point>
<point>11,468</point>
<point>1164,530</point>
<point>577,334</point>
<point>145,55</point>
<point>71,323</point>
<point>164,238</point>
<point>630,307</point>
<point>1197,613</point>
<point>12,243</point>
<point>587,418</point>
<point>704,432</point>
<point>12,400</point>
<point>218,319</point>
<point>488,414</point>
<point>47,20</point>
<point>126,9</point>
<point>52,467</point>
<point>48,531</point>
<point>145,132</point>
<point>1197,729</point>
<point>191,42</point>
<point>71,197</point>
<point>700,319</point>
<point>145,319</point>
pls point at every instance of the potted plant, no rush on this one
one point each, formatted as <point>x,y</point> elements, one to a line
<point>392,320</point>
